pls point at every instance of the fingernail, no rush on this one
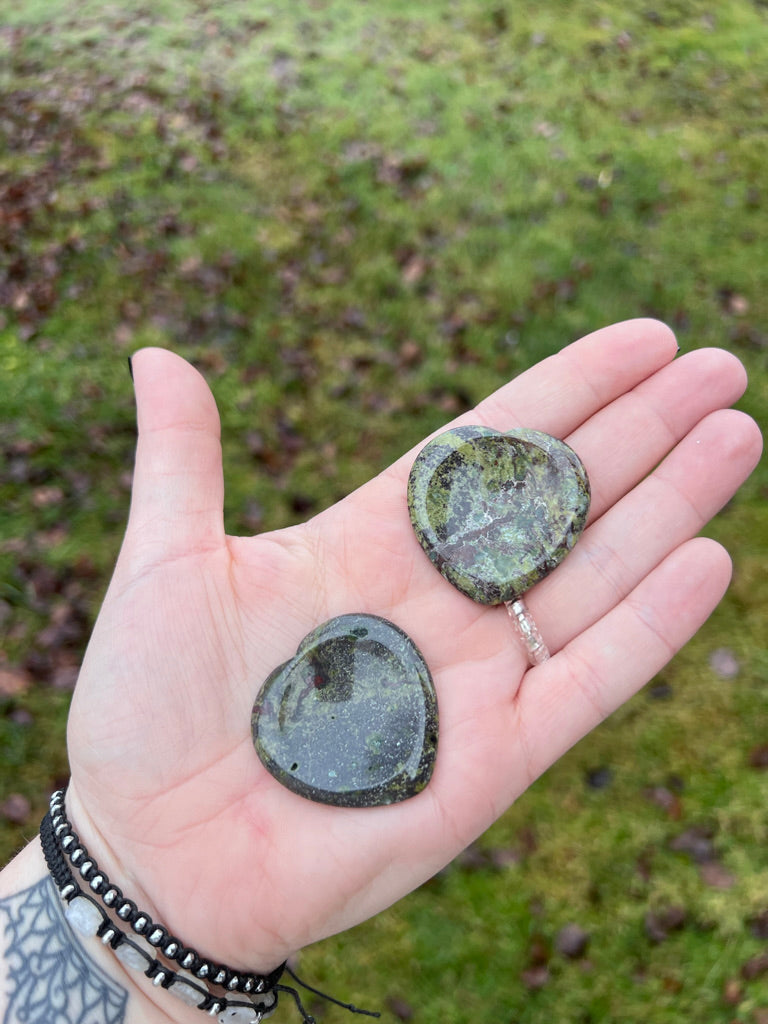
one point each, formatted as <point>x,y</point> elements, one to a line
<point>130,367</point>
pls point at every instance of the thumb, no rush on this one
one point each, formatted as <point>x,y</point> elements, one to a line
<point>178,490</point>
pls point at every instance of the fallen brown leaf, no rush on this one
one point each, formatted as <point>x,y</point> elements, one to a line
<point>755,967</point>
<point>12,682</point>
<point>716,876</point>
<point>16,809</point>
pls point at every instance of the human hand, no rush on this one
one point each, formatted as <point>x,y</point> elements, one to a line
<point>167,790</point>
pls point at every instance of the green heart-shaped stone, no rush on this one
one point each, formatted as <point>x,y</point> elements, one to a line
<point>351,719</point>
<point>496,512</point>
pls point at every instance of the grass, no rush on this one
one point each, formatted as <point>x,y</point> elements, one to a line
<point>359,219</point>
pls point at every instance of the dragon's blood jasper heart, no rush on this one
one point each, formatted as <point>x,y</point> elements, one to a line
<point>351,719</point>
<point>496,512</point>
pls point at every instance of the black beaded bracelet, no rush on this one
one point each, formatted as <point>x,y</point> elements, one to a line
<point>90,919</point>
<point>67,858</point>
<point>157,935</point>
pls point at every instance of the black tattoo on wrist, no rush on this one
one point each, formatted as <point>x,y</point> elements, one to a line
<point>50,979</point>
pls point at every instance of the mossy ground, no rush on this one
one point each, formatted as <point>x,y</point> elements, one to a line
<point>358,219</point>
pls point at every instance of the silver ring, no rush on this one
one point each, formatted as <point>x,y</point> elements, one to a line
<point>527,631</point>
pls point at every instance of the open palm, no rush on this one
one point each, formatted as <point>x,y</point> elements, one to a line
<point>166,787</point>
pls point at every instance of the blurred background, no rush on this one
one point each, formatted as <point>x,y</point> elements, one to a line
<point>359,217</point>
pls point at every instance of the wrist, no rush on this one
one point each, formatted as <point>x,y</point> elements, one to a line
<point>47,971</point>
<point>99,910</point>
<point>53,966</point>
<point>162,898</point>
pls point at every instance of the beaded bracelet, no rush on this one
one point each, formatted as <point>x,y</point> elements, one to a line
<point>63,850</point>
<point>89,919</point>
<point>141,923</point>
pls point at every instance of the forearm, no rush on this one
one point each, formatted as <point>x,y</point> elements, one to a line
<point>49,972</point>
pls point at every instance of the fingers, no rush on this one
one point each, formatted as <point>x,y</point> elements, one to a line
<point>178,492</point>
<point>636,419</point>
<point>557,396</point>
<point>566,389</point>
<point>605,665</point>
<point>500,746</point>
<point>623,441</point>
<point>665,509</point>
<point>561,392</point>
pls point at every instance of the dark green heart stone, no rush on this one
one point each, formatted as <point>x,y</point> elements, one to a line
<point>496,512</point>
<point>351,719</point>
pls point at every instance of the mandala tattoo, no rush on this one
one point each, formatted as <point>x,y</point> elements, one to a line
<point>50,979</point>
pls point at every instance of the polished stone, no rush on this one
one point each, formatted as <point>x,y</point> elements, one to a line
<point>351,719</point>
<point>496,512</point>
<point>131,957</point>
<point>186,993</point>
<point>239,1015</point>
<point>83,916</point>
